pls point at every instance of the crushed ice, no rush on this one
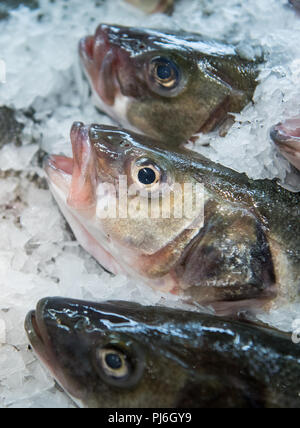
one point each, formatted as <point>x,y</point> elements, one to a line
<point>38,254</point>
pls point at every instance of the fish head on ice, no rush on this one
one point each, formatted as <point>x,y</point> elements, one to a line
<point>124,355</point>
<point>124,200</point>
<point>106,354</point>
<point>169,86</point>
<point>168,218</point>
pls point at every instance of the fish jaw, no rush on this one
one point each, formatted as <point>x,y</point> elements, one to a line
<point>102,61</point>
<point>76,177</point>
<point>45,349</point>
<point>286,136</point>
<point>45,335</point>
<point>99,63</point>
<point>73,184</point>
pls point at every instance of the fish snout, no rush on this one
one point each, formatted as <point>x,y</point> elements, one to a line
<point>111,140</point>
<point>286,136</point>
<point>86,49</point>
<point>82,194</point>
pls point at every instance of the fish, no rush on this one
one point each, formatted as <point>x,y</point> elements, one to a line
<point>153,6</point>
<point>123,355</point>
<point>171,86</point>
<point>236,249</point>
<point>286,135</point>
<point>295,3</point>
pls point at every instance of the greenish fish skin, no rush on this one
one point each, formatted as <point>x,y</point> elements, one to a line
<point>245,256</point>
<point>167,85</point>
<point>123,355</point>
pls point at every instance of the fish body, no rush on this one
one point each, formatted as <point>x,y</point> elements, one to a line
<point>123,355</point>
<point>286,136</point>
<point>153,6</point>
<point>239,251</point>
<point>167,85</point>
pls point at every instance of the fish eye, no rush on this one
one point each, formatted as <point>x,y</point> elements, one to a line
<point>119,365</point>
<point>165,73</point>
<point>147,173</point>
<point>147,176</point>
<point>114,363</point>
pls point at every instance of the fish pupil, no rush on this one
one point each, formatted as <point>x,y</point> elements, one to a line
<point>113,361</point>
<point>147,176</point>
<point>164,72</point>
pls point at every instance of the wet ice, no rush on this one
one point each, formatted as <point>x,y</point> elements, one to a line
<point>38,253</point>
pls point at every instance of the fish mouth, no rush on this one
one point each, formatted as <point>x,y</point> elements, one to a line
<point>101,60</point>
<point>37,333</point>
<point>75,177</point>
<point>286,136</point>
<point>74,182</point>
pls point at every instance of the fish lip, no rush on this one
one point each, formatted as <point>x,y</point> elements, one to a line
<point>59,168</point>
<point>61,164</point>
<point>100,60</point>
<point>33,331</point>
<point>86,49</point>
<point>37,332</point>
<point>285,132</point>
<point>287,141</point>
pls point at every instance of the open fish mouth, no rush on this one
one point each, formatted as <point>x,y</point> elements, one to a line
<point>76,176</point>
<point>101,62</point>
<point>73,182</point>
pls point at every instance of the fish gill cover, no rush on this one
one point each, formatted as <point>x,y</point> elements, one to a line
<point>44,86</point>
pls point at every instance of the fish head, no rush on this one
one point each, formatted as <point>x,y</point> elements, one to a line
<point>168,86</point>
<point>102,354</point>
<point>124,199</point>
<point>123,355</point>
